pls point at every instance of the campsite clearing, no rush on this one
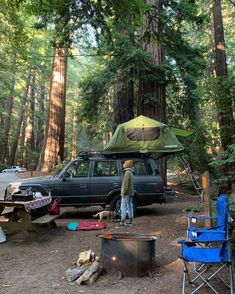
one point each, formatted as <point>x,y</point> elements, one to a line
<point>38,266</point>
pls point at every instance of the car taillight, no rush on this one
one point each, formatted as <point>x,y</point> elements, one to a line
<point>158,190</point>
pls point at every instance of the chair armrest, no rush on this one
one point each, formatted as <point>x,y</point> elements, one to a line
<point>198,218</point>
<point>201,217</point>
<point>207,231</point>
<point>193,243</point>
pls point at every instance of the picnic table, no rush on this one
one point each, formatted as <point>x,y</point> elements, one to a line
<point>19,216</point>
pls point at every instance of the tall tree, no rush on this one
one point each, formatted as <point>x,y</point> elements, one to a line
<point>152,91</point>
<point>53,148</point>
<point>20,121</point>
<point>223,96</point>
<point>29,139</point>
<point>152,99</point>
<point>8,117</point>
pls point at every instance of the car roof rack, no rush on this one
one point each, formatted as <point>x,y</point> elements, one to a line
<point>86,154</point>
<point>127,155</point>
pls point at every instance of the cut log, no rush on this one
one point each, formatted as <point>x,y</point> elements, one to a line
<point>84,257</point>
<point>74,273</point>
<point>87,274</point>
<point>94,277</point>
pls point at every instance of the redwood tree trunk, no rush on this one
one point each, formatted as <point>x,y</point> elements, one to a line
<point>19,124</point>
<point>53,147</point>
<point>40,120</point>
<point>124,106</point>
<point>29,138</point>
<point>152,100</point>
<point>7,119</point>
<point>223,96</point>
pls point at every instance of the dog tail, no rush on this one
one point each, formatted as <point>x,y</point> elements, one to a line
<point>96,215</point>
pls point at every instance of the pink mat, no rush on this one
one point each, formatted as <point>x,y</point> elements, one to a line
<point>91,225</point>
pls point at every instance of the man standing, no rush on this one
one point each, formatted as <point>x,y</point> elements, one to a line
<point>127,193</point>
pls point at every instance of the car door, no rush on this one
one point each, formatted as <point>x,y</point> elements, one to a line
<point>76,183</point>
<point>104,180</point>
<point>10,169</point>
<point>148,185</point>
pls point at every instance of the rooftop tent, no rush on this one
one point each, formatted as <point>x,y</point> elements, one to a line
<point>143,135</point>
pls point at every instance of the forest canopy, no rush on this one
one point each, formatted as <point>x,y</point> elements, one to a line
<point>72,71</point>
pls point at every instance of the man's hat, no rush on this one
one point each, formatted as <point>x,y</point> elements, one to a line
<point>128,163</point>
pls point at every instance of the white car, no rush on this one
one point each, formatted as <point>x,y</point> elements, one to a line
<point>14,169</point>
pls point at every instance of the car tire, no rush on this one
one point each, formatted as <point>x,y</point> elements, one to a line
<point>115,204</point>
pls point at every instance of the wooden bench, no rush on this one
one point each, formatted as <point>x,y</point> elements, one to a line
<point>46,220</point>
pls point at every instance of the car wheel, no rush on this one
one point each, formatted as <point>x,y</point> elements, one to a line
<point>115,204</point>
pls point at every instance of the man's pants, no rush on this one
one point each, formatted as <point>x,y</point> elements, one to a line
<point>126,208</point>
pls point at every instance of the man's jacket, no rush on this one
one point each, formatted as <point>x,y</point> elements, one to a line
<point>127,188</point>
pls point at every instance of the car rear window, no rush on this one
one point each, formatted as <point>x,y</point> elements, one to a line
<point>142,168</point>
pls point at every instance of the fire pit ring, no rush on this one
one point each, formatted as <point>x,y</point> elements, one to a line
<point>128,254</point>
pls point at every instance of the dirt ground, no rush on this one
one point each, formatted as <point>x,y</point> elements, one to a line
<point>38,266</point>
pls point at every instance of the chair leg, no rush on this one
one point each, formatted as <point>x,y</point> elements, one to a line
<point>231,278</point>
<point>183,281</point>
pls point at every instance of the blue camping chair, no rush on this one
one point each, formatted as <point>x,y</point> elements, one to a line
<point>206,266</point>
<point>206,254</point>
<point>219,231</point>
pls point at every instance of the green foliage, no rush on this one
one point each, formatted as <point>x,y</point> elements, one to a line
<point>2,167</point>
<point>58,168</point>
<point>225,160</point>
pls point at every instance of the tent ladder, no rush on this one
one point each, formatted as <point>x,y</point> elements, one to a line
<point>194,178</point>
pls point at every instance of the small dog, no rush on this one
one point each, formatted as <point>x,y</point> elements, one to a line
<point>108,214</point>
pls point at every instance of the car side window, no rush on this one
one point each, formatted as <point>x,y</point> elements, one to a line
<point>105,168</point>
<point>78,169</point>
<point>141,168</point>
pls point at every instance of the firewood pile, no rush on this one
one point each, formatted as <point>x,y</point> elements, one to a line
<point>87,269</point>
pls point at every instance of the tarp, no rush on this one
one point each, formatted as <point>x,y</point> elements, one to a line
<point>144,135</point>
<point>180,132</point>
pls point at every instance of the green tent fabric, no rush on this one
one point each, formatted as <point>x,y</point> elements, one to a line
<point>144,135</point>
<point>181,133</point>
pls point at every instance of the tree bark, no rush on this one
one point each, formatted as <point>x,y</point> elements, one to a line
<point>19,124</point>
<point>7,120</point>
<point>152,100</point>
<point>53,147</point>
<point>40,121</point>
<point>224,97</point>
<point>29,138</point>
<point>29,135</point>
<point>223,93</point>
<point>124,106</point>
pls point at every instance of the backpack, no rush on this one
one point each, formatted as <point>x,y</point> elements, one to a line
<point>55,207</point>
